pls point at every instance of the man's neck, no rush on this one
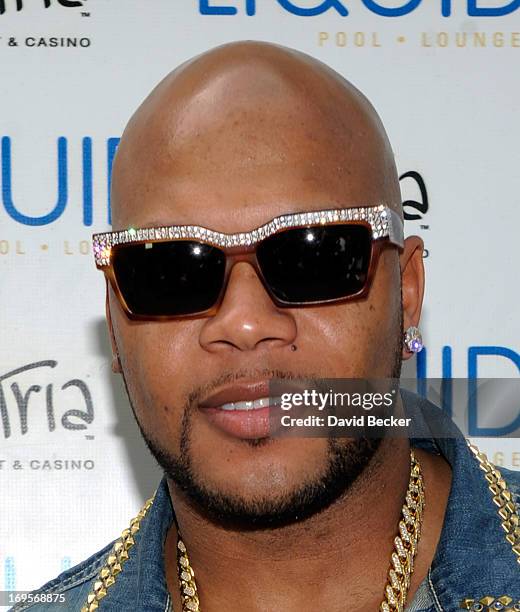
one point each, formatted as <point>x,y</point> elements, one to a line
<point>335,560</point>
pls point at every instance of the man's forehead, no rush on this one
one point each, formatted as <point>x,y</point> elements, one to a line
<point>242,137</point>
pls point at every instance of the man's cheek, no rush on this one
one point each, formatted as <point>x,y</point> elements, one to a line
<point>161,418</point>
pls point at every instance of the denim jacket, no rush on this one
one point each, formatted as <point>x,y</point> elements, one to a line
<point>473,559</point>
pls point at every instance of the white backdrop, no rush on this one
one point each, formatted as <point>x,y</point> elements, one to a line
<point>447,89</point>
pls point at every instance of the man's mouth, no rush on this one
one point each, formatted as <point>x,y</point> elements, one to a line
<point>241,409</point>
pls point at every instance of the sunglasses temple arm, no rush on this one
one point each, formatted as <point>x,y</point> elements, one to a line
<point>395,228</point>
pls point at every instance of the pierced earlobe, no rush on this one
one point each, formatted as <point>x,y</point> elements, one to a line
<point>413,340</point>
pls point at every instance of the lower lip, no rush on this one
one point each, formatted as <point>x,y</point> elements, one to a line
<point>246,424</point>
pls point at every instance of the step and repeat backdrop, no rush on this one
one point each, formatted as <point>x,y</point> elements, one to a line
<point>444,76</point>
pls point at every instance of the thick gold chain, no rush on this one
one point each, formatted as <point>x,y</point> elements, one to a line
<point>402,559</point>
<point>189,595</point>
<point>405,543</point>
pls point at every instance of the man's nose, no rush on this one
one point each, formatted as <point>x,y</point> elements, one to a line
<point>247,318</point>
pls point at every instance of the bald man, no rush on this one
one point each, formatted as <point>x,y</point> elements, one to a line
<point>258,236</point>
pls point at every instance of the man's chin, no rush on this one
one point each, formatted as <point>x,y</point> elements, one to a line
<point>259,505</point>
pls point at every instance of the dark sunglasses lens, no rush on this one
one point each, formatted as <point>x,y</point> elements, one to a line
<point>169,278</point>
<point>316,263</point>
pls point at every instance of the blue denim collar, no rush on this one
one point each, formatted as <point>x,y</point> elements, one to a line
<point>142,583</point>
<point>473,558</point>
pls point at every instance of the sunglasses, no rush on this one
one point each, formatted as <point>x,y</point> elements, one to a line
<point>302,259</point>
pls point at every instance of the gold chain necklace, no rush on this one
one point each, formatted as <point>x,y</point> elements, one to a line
<point>402,559</point>
<point>119,554</point>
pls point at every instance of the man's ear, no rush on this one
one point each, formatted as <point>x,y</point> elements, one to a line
<point>412,283</point>
<point>116,363</point>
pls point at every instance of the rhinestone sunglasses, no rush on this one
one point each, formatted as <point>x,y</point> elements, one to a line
<point>302,259</point>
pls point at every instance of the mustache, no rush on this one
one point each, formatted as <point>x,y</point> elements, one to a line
<point>197,393</point>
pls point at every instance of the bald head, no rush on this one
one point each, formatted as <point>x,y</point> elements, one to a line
<point>228,141</point>
<point>254,127</point>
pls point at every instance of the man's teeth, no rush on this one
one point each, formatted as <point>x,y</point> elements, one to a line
<point>261,402</point>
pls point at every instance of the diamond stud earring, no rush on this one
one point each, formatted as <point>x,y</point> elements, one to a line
<point>413,339</point>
